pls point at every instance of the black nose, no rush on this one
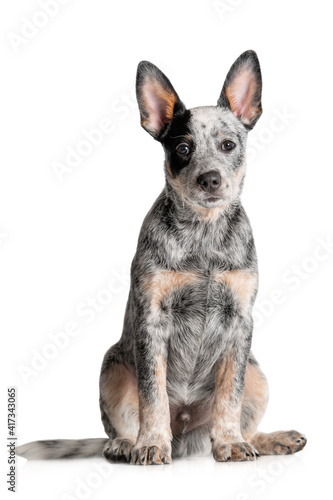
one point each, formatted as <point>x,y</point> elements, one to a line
<point>210,181</point>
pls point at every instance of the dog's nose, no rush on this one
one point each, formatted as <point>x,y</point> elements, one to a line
<point>210,181</point>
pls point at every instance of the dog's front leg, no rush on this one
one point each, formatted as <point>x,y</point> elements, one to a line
<point>153,445</point>
<point>226,437</point>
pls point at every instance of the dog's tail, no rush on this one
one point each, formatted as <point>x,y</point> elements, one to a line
<point>62,448</point>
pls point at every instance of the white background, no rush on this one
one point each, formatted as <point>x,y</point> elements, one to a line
<point>63,241</point>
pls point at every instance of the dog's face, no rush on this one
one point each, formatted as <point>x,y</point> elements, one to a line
<point>204,147</point>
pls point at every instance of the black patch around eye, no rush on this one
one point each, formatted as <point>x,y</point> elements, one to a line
<point>183,149</point>
<point>178,133</point>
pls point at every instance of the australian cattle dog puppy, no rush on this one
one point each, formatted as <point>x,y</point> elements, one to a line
<point>182,379</point>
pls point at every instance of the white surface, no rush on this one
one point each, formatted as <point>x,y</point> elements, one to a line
<point>63,242</point>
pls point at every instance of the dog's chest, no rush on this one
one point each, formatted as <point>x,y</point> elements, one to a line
<point>198,311</point>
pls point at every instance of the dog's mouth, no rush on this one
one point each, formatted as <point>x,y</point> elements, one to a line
<point>211,201</point>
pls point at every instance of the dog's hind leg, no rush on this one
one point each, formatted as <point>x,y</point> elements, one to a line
<point>278,443</point>
<point>119,405</point>
<point>255,399</point>
<point>253,408</point>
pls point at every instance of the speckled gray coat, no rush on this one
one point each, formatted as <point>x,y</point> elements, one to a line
<point>181,379</point>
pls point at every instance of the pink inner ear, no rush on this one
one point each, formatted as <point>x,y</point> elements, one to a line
<point>240,95</point>
<point>156,106</point>
<point>159,104</point>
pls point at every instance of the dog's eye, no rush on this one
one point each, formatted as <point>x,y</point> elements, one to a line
<point>228,145</point>
<point>183,149</point>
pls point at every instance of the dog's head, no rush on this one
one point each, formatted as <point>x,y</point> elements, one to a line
<point>205,146</point>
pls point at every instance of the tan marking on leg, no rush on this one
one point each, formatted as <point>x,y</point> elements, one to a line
<point>155,418</point>
<point>225,414</point>
<point>161,284</point>
<point>228,443</point>
<point>255,398</point>
<point>120,395</point>
<point>243,283</point>
<point>256,386</point>
<point>154,440</point>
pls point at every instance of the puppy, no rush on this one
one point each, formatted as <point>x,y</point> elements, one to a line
<point>182,380</point>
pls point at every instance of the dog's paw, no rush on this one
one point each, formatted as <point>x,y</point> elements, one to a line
<point>118,450</point>
<point>235,452</point>
<point>288,442</point>
<point>151,455</point>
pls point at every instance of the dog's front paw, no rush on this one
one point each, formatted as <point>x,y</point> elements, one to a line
<point>151,454</point>
<point>235,452</point>
<point>118,450</point>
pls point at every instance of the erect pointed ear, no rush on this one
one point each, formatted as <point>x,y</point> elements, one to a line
<point>242,89</point>
<point>157,99</point>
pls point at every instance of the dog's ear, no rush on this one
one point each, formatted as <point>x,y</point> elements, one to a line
<point>157,99</point>
<point>242,89</point>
